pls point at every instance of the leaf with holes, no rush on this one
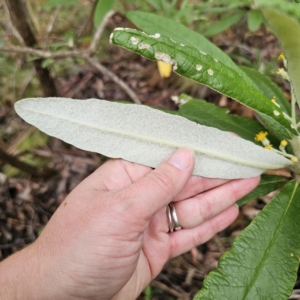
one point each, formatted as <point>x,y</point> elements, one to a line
<point>201,67</point>
<point>151,24</point>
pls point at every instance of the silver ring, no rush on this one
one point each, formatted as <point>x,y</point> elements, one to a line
<point>176,225</point>
<point>169,216</point>
<point>172,218</point>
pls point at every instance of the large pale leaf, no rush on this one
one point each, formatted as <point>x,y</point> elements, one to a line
<point>287,30</point>
<point>208,114</point>
<point>267,184</point>
<point>147,136</point>
<point>264,258</point>
<point>201,67</point>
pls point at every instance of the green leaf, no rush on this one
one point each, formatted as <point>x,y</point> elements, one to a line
<point>225,23</point>
<point>201,67</point>
<point>34,140</point>
<point>209,114</point>
<point>254,20</point>
<point>47,62</point>
<point>151,24</point>
<point>102,8</point>
<point>287,30</point>
<point>264,258</point>
<point>147,136</point>
<point>291,9</point>
<point>55,3</point>
<point>267,184</point>
<point>269,88</point>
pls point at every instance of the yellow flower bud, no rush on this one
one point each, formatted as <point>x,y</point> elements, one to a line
<point>283,73</point>
<point>281,56</point>
<point>260,136</point>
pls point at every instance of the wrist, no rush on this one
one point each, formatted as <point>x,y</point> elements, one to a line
<point>21,276</point>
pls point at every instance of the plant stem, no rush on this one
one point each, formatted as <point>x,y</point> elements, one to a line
<point>294,122</point>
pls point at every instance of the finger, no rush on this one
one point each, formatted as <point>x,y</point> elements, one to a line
<point>158,188</point>
<point>192,212</point>
<point>197,185</point>
<point>185,239</point>
<point>116,174</point>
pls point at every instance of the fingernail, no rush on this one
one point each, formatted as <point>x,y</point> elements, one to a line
<point>235,204</point>
<point>182,158</point>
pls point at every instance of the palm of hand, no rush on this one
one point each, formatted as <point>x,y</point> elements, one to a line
<point>113,240</point>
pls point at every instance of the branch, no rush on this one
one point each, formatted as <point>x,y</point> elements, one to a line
<point>169,290</point>
<point>20,21</point>
<point>51,23</point>
<point>43,54</point>
<point>86,54</point>
<point>114,78</point>
<point>33,171</point>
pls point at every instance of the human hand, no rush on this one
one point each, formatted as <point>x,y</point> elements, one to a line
<point>109,238</point>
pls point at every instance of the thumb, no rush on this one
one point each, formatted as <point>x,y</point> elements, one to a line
<point>162,185</point>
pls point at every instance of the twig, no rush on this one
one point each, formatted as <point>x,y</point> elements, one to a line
<point>167,289</point>
<point>86,54</point>
<point>114,78</point>
<point>10,24</point>
<point>51,23</point>
<point>33,171</point>
<point>41,53</point>
<point>20,20</point>
<point>99,32</point>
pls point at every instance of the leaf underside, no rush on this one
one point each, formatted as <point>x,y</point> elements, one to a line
<point>147,136</point>
<point>264,258</point>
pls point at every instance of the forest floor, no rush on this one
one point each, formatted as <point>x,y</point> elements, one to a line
<point>27,203</point>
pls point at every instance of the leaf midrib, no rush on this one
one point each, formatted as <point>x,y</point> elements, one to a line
<point>254,278</point>
<point>157,141</point>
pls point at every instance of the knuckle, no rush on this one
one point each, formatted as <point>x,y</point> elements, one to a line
<point>163,181</point>
<point>234,193</point>
<point>196,237</point>
<point>216,225</point>
<point>205,209</point>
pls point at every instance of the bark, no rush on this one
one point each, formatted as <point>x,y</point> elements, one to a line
<point>20,21</point>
